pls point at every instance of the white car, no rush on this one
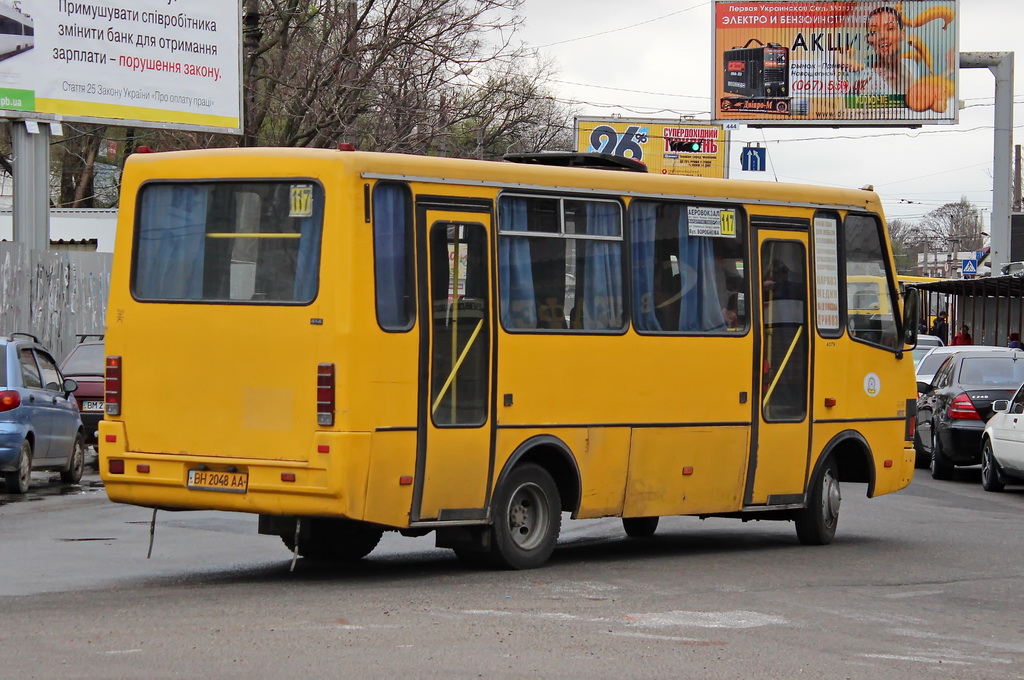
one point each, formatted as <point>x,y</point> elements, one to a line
<point>1002,444</point>
<point>931,361</point>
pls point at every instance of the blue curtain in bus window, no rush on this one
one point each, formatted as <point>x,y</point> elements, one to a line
<point>700,308</point>
<point>389,249</point>
<point>308,262</point>
<point>643,217</point>
<point>172,239</point>
<point>518,300</point>
<point>602,297</point>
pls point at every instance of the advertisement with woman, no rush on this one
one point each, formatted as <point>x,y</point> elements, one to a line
<point>848,63</point>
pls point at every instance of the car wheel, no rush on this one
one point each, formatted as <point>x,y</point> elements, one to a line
<point>921,457</point>
<point>640,527</point>
<point>527,517</point>
<point>76,466</point>
<point>816,524</point>
<point>18,481</point>
<point>989,470</point>
<point>940,466</point>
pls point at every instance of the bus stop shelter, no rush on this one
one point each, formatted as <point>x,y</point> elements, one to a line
<point>992,307</point>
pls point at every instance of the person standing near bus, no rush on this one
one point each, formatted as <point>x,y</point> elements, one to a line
<point>940,328</point>
<point>963,337</point>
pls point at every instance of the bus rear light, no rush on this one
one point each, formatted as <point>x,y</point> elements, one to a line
<point>325,394</point>
<point>962,408</point>
<point>112,386</point>
<point>887,464</point>
<point>405,480</point>
<point>111,438</point>
<point>323,448</point>
<point>143,468</point>
<point>688,470</point>
<point>116,467</point>
<point>287,476</point>
<point>9,400</point>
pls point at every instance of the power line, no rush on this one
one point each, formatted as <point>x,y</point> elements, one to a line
<point>624,28</point>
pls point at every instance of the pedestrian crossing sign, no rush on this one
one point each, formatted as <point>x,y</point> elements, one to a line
<point>969,267</point>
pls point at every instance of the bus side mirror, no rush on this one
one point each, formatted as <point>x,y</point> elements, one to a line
<point>911,304</point>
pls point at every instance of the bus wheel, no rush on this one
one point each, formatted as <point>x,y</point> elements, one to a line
<point>18,480</point>
<point>940,466</point>
<point>336,540</point>
<point>640,527</point>
<point>816,524</point>
<point>527,518</point>
<point>989,472</point>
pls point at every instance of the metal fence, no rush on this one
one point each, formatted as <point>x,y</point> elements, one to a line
<point>54,295</point>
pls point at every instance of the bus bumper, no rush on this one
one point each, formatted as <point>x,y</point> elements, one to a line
<point>331,482</point>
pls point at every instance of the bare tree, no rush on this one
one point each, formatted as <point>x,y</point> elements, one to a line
<point>957,226</point>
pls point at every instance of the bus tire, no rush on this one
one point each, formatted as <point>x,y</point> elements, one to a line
<point>990,469</point>
<point>816,524</point>
<point>336,540</point>
<point>640,527</point>
<point>941,468</point>
<point>17,481</point>
<point>527,518</point>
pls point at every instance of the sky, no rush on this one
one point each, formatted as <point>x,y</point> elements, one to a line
<point>652,58</point>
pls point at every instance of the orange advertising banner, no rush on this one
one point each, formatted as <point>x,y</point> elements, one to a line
<point>871,62</point>
<point>667,147</point>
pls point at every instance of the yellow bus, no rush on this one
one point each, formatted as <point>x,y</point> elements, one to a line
<point>347,343</point>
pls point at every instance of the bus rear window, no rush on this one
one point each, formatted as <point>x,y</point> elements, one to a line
<point>241,242</point>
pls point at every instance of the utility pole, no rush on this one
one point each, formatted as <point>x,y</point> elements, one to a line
<point>1001,66</point>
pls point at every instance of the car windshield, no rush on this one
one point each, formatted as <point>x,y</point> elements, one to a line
<point>919,354</point>
<point>995,371</point>
<point>84,360</point>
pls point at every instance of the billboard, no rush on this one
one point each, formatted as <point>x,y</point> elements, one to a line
<point>149,63</point>
<point>782,62</point>
<point>668,147</point>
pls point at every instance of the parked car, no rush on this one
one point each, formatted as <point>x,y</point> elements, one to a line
<point>954,407</point>
<point>84,364</point>
<point>40,426</point>
<point>929,341</point>
<point>1002,444</point>
<point>933,358</point>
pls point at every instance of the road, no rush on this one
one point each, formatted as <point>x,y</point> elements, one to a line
<point>926,583</point>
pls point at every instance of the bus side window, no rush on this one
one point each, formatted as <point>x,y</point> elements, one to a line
<point>393,257</point>
<point>687,277</point>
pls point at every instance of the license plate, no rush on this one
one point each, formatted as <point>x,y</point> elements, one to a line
<point>92,405</point>
<point>214,480</point>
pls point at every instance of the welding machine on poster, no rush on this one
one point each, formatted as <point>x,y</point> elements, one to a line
<point>758,75</point>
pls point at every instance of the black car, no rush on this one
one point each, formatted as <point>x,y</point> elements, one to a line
<point>953,409</point>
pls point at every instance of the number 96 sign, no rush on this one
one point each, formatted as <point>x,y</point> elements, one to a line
<point>666,147</point>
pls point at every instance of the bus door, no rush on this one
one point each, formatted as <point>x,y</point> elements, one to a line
<point>453,463</point>
<point>779,452</point>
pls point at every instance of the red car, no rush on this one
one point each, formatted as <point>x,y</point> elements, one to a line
<point>84,364</point>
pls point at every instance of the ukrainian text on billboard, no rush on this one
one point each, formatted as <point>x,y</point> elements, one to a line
<point>667,147</point>
<point>156,62</point>
<point>836,62</point>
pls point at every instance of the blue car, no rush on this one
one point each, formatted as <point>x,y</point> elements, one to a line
<point>40,426</point>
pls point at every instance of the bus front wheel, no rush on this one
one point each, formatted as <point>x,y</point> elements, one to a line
<point>527,518</point>
<point>816,524</point>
